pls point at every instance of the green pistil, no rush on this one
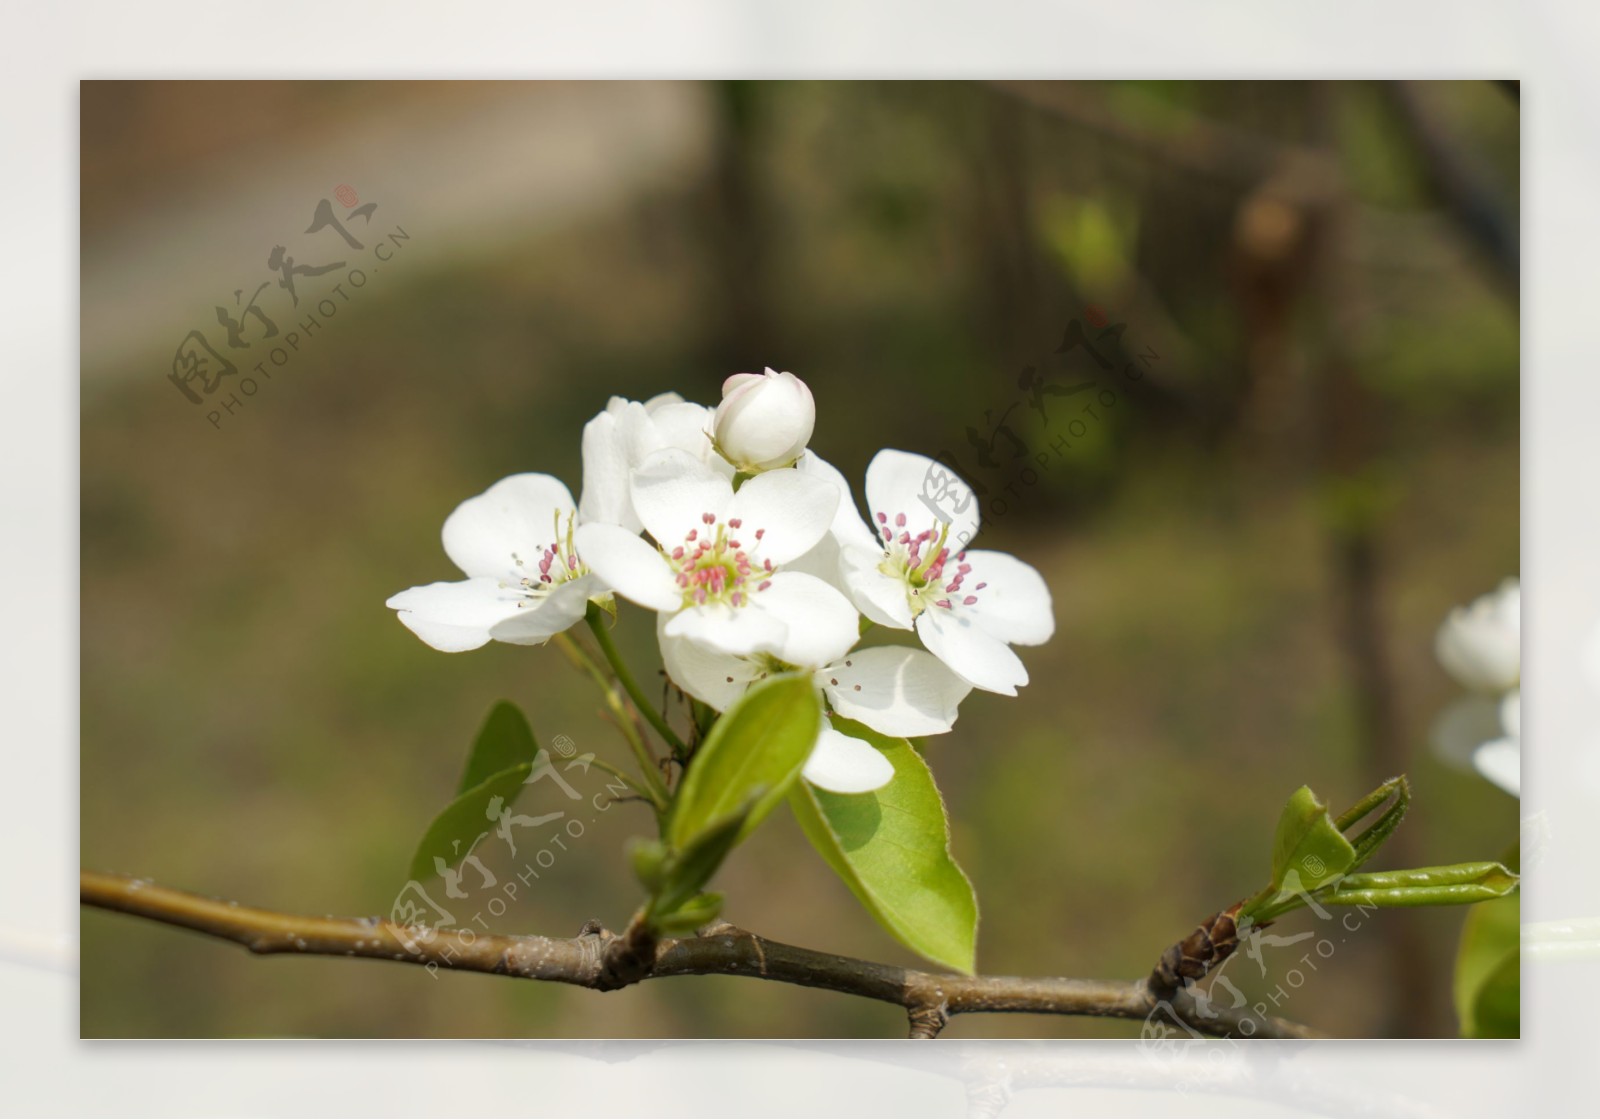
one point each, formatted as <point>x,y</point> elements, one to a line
<point>920,575</point>
<point>719,554</point>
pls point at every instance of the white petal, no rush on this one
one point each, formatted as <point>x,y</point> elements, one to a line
<point>672,490</point>
<point>1501,762</point>
<point>688,428</point>
<point>986,661</point>
<point>709,675</point>
<point>1464,726</point>
<point>1014,604</point>
<point>661,400</point>
<point>792,510</point>
<point>729,629</point>
<point>894,690</point>
<point>1511,714</point>
<point>825,559</point>
<point>637,570</point>
<point>821,623</point>
<point>515,515</point>
<point>841,763</point>
<point>880,597</point>
<point>847,528</point>
<point>822,561</point>
<point>542,619</point>
<point>925,491</point>
<point>737,381</point>
<point>614,442</point>
<point>456,616</point>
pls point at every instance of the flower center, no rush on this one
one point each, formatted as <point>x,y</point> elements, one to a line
<point>712,566</point>
<point>558,563</point>
<point>932,577</point>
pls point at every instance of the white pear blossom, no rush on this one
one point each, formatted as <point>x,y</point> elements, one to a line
<point>622,437</point>
<point>895,691</point>
<point>916,572</point>
<point>764,421</point>
<point>525,581</point>
<point>715,568</point>
<point>1480,646</point>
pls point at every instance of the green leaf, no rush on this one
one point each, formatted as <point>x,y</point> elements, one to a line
<point>1497,1010</point>
<point>1488,969</point>
<point>457,830</point>
<point>1368,843</point>
<point>505,741</point>
<point>760,743</point>
<point>1308,850</point>
<point>892,848</point>
<point>1424,886</point>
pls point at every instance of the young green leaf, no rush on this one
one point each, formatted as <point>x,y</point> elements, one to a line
<point>690,914</point>
<point>761,742</point>
<point>455,831</point>
<point>892,848</point>
<point>505,741</point>
<point>1423,886</point>
<point>1370,840</point>
<point>1308,850</point>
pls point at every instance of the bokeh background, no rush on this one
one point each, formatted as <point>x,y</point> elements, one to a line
<point>1249,551</point>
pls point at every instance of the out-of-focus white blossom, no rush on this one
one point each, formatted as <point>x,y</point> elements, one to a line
<point>1480,645</point>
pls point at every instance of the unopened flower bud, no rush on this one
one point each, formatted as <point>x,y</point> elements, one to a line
<point>764,421</point>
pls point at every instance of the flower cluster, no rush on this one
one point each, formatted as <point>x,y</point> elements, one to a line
<point>756,561</point>
<point>1480,645</point>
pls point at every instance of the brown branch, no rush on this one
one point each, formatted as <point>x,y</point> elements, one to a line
<point>605,961</point>
<point>1190,141</point>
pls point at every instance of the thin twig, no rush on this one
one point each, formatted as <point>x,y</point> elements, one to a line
<point>608,648</point>
<point>627,779</point>
<point>654,790</point>
<point>604,961</point>
<point>1190,141</point>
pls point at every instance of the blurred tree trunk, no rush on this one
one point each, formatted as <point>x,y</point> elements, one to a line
<point>738,234</point>
<point>1006,241</point>
<point>1351,441</point>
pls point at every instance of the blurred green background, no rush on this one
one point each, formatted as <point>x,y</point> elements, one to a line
<point>1249,551</point>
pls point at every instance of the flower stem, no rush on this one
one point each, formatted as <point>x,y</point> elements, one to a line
<point>654,789</point>
<point>629,781</point>
<point>620,668</point>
